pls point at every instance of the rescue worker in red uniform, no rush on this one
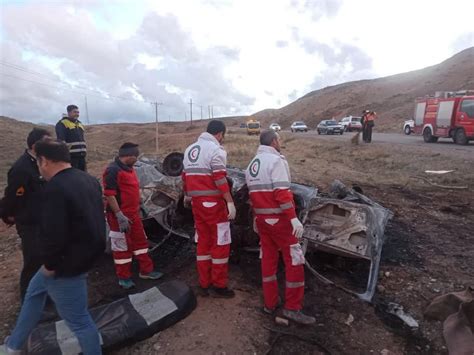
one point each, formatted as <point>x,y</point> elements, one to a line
<point>206,187</point>
<point>268,181</point>
<point>127,236</point>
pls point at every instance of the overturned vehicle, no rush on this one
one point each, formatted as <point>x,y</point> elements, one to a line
<point>343,229</point>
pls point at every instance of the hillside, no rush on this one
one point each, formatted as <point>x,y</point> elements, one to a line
<point>103,140</point>
<point>392,97</point>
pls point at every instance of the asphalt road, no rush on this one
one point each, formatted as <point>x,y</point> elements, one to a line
<point>391,138</point>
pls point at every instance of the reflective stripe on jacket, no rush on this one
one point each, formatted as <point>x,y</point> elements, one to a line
<point>72,132</point>
<point>204,173</point>
<point>268,180</point>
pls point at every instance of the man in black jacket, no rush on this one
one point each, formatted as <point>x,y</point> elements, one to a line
<point>72,237</point>
<point>70,130</point>
<point>20,206</point>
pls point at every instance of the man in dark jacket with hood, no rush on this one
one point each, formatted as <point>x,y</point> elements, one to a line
<point>20,206</point>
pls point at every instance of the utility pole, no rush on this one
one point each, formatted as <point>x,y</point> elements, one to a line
<point>87,109</point>
<point>191,110</point>
<point>209,111</point>
<point>212,111</point>
<point>201,111</point>
<point>156,104</point>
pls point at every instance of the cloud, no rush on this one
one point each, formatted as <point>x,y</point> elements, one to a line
<point>317,8</point>
<point>293,95</point>
<point>67,46</point>
<point>344,62</point>
<point>281,44</point>
<point>464,41</point>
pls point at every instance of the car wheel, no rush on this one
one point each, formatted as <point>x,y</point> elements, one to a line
<point>306,130</point>
<point>428,136</point>
<point>407,130</point>
<point>341,133</point>
<point>292,130</point>
<point>461,137</point>
<point>319,132</point>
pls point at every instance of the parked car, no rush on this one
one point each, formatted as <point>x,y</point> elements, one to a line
<point>243,125</point>
<point>275,126</point>
<point>408,126</point>
<point>298,126</point>
<point>351,123</point>
<point>329,127</point>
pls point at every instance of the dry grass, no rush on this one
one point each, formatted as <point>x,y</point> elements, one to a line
<point>312,161</point>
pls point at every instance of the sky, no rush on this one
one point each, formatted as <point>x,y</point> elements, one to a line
<point>115,58</point>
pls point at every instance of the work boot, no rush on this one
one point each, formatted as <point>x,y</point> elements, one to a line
<point>298,317</point>
<point>224,292</point>
<point>202,291</point>
<point>126,283</point>
<point>154,275</point>
<point>271,311</point>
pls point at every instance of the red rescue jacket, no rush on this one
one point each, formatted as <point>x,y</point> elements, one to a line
<point>121,181</point>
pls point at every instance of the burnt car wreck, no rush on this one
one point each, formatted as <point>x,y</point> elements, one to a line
<point>342,228</point>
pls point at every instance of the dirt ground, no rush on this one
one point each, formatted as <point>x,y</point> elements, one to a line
<point>427,252</point>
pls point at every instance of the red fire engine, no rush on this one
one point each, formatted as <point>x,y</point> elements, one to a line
<point>446,115</point>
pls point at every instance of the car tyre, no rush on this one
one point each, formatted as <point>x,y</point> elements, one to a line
<point>428,136</point>
<point>407,130</point>
<point>319,132</point>
<point>341,133</point>
<point>461,138</point>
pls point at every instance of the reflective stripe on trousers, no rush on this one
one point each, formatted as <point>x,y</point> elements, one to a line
<point>203,257</point>
<point>269,278</point>
<point>140,251</point>
<point>122,261</point>
<point>294,284</point>
<point>220,261</point>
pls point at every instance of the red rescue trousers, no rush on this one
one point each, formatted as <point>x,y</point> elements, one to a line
<point>276,235</point>
<point>213,241</point>
<point>125,246</point>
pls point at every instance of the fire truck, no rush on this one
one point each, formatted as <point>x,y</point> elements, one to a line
<point>446,115</point>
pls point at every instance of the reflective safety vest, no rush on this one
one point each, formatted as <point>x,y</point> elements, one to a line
<point>204,173</point>
<point>268,180</point>
<point>72,132</point>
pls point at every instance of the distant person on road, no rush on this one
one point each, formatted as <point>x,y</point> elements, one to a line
<point>70,130</point>
<point>268,180</point>
<point>207,190</point>
<point>21,206</point>
<point>368,122</point>
<point>72,237</point>
<point>127,236</point>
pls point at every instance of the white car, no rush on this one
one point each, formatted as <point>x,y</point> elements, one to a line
<point>275,126</point>
<point>298,126</point>
<point>351,123</point>
<point>408,126</point>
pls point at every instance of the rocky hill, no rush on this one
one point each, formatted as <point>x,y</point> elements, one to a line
<point>392,96</point>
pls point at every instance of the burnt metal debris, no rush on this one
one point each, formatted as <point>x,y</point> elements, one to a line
<point>343,222</point>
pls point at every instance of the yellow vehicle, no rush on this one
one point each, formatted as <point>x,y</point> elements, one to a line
<point>253,127</point>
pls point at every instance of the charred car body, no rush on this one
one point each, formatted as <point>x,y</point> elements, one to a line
<point>343,223</point>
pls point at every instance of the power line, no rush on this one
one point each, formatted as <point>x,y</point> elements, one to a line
<point>29,71</point>
<point>110,97</point>
<point>26,70</point>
